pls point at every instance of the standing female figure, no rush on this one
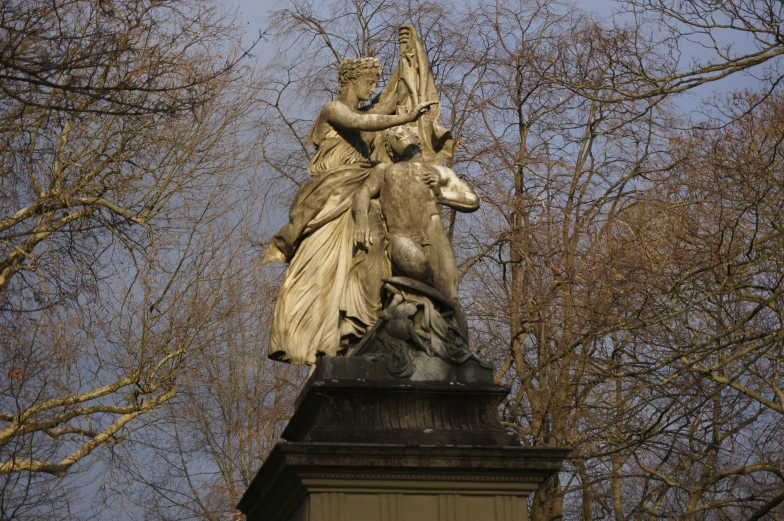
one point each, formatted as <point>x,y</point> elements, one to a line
<point>326,288</point>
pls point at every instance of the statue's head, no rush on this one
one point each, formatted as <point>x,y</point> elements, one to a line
<point>361,74</point>
<point>402,141</point>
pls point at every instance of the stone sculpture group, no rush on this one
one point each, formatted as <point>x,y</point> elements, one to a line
<point>371,268</point>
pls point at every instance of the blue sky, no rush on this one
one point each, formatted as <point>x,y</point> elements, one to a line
<point>253,14</point>
<point>255,11</point>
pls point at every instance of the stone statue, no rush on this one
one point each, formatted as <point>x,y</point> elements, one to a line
<point>408,191</point>
<point>389,283</point>
<point>419,249</point>
<point>318,240</point>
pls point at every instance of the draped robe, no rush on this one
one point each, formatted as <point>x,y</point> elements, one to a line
<point>328,292</point>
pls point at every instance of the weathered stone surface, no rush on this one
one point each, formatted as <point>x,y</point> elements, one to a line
<point>355,400</point>
<point>364,445</point>
<point>428,369</point>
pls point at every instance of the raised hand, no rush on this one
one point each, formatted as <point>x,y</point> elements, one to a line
<point>421,109</point>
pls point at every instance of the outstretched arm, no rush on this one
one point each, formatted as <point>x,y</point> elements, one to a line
<point>339,115</point>
<point>369,189</point>
<point>387,103</point>
<point>454,192</point>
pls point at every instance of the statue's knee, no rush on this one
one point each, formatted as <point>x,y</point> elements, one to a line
<point>409,259</point>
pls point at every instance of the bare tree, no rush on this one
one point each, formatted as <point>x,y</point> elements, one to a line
<point>205,446</point>
<point>122,57</point>
<point>623,275</point>
<point>719,306</point>
<point>122,124</point>
<point>658,49</point>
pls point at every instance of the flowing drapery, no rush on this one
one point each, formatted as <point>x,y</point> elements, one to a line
<point>413,83</point>
<point>327,292</point>
<point>331,292</point>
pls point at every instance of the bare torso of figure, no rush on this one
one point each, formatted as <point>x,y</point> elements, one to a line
<point>408,204</point>
<point>417,242</point>
<point>409,208</point>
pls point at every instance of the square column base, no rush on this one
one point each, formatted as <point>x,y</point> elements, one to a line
<point>348,482</point>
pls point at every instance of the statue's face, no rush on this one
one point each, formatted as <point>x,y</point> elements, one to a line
<point>400,143</point>
<point>395,143</point>
<point>365,87</point>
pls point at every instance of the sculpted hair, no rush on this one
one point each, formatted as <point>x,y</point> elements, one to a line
<point>350,69</point>
<point>397,133</point>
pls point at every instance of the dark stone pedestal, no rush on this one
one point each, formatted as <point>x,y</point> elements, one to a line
<point>364,445</point>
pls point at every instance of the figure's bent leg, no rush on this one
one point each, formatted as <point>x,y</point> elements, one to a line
<point>442,258</point>
<point>409,259</point>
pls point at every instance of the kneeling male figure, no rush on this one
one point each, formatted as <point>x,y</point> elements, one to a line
<point>408,192</point>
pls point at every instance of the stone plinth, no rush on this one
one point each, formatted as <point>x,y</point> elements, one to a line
<point>364,445</point>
